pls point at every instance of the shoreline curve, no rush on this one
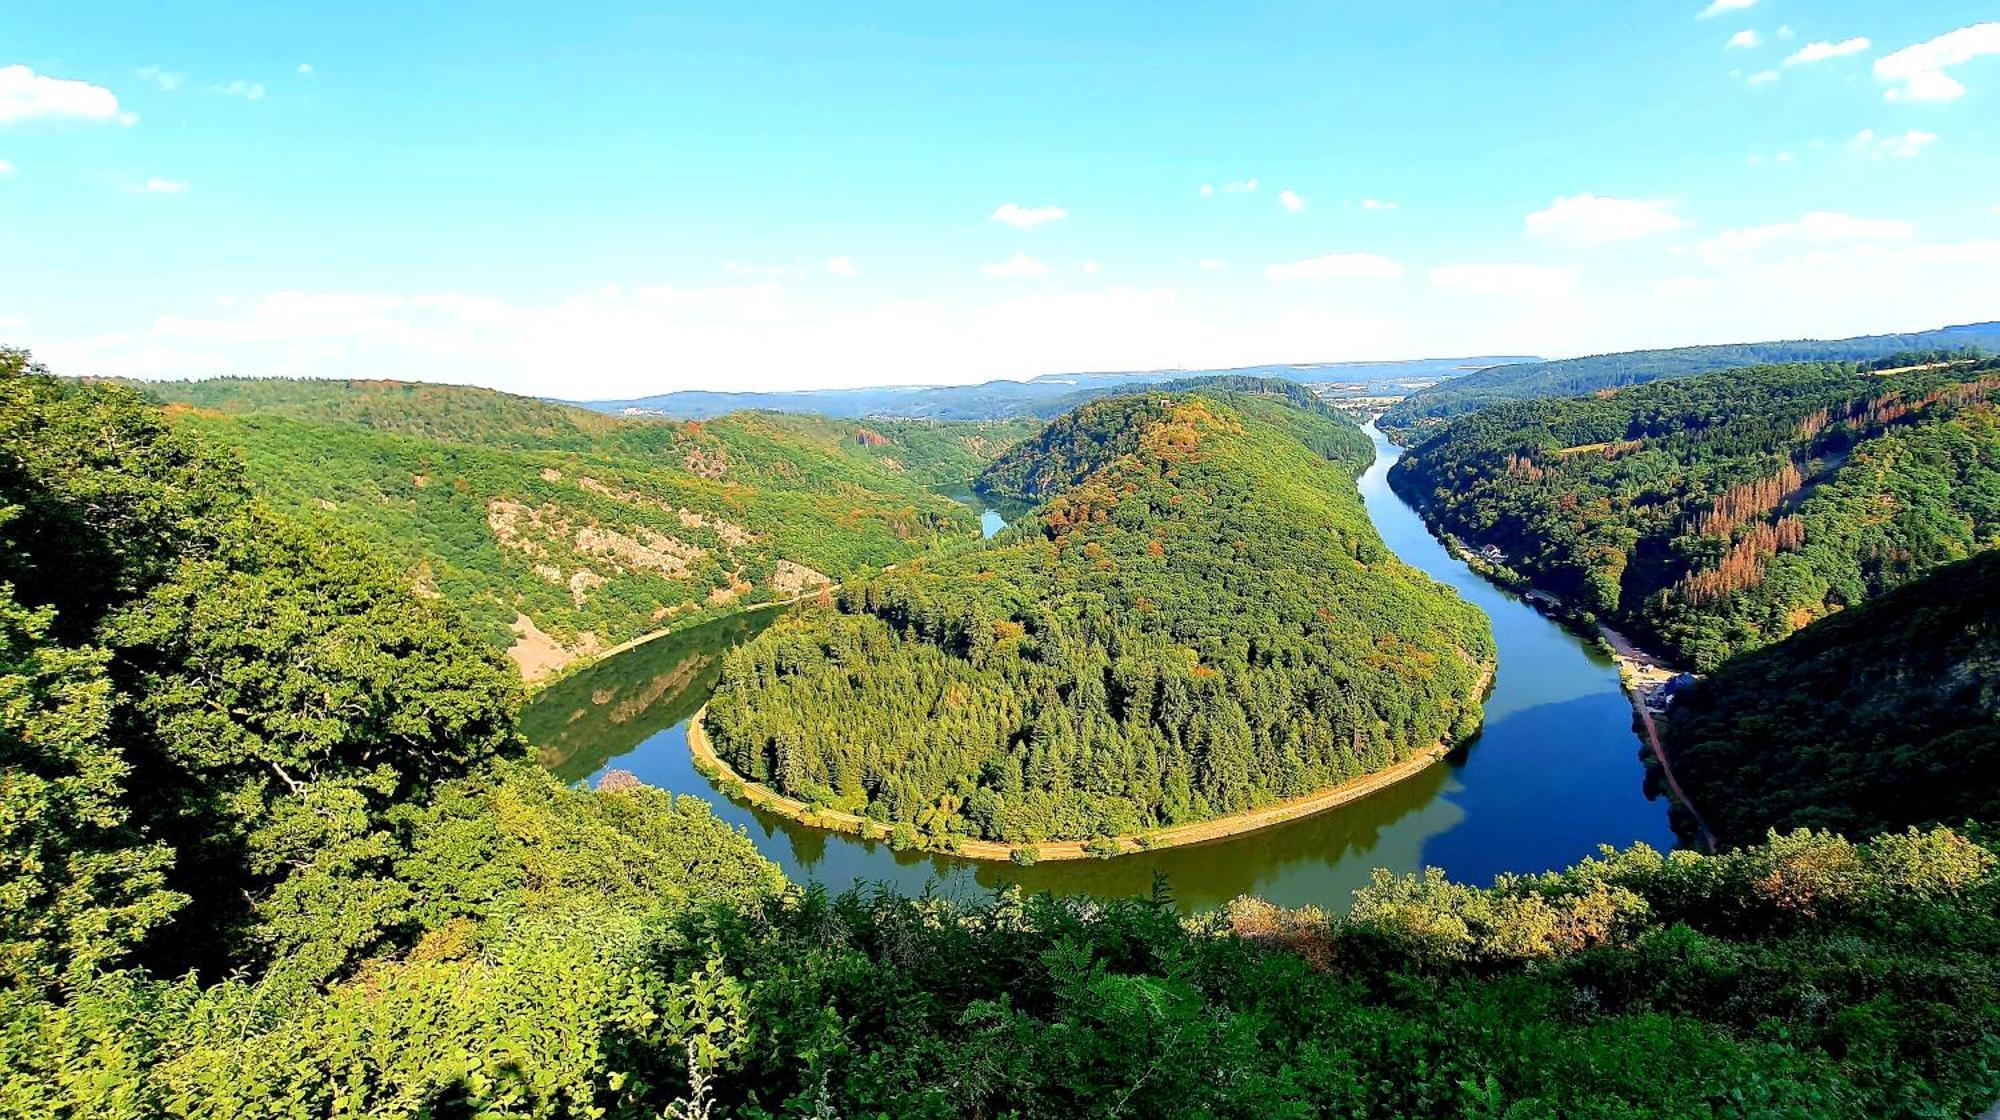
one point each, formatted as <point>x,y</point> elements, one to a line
<point>734,785</point>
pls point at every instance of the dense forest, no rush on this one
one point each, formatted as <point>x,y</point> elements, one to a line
<point>1196,619</point>
<point>1414,416</point>
<point>561,532</point>
<point>1879,717</point>
<point>1721,513</point>
<point>269,849</point>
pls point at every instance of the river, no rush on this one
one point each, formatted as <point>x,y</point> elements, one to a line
<point>1554,773</point>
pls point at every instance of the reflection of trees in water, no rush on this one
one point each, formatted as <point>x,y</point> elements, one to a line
<point>599,713</point>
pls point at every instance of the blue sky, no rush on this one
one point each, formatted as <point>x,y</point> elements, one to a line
<point>600,200</point>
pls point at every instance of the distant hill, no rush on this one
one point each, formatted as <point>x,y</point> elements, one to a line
<point>1045,396</point>
<point>1877,718</point>
<point>560,532</point>
<point>1575,376</point>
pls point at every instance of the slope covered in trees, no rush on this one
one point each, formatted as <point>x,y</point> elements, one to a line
<point>1414,416</point>
<point>1720,513</point>
<point>1879,717</point>
<point>561,532</point>
<point>419,925</point>
<point>1198,619</point>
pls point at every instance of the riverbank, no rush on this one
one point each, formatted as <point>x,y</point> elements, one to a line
<point>532,689</point>
<point>1236,824</point>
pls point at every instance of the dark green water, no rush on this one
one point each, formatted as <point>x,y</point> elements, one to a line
<point>1554,774</point>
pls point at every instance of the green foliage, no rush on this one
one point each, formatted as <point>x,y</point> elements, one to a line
<point>1879,717</point>
<point>1721,513</point>
<point>1198,620</point>
<point>596,529</point>
<point>1461,396</point>
<point>238,705</point>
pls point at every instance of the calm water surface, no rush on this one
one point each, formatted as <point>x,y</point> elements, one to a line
<point>1555,773</point>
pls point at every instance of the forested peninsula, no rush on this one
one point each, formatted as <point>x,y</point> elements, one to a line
<point>1720,513</point>
<point>1196,620</point>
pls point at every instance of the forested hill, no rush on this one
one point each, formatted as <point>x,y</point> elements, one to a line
<point>1720,513</point>
<point>1199,619</point>
<point>1576,376</point>
<point>1877,718</point>
<point>561,532</point>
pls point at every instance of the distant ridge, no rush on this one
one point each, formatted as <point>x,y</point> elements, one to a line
<point>1573,376</point>
<point>1001,398</point>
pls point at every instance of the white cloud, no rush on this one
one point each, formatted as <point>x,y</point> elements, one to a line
<point>768,271</point>
<point>167,80</point>
<point>1820,52</point>
<point>1588,219</point>
<point>1901,146</point>
<point>1785,31</point>
<point>1744,39</point>
<point>1762,77</point>
<point>841,266</point>
<point>26,95</point>
<point>1239,188</point>
<point>1291,201</point>
<point>1213,265</point>
<point>157,185</point>
<point>1918,72</point>
<point>1089,268</point>
<point>1378,204</point>
<point>1526,281</point>
<point>1717,7</point>
<point>1336,266</point>
<point>306,70</point>
<point>1026,217</point>
<point>6,167</point>
<point>1018,266</point>
<point>1821,227</point>
<point>247,90</point>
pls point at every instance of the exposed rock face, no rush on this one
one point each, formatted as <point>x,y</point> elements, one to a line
<point>791,578</point>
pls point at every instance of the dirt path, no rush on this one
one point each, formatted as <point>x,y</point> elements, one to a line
<point>1198,832</point>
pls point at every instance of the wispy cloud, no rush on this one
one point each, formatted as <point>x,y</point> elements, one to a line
<point>1744,39</point>
<point>6,167</point>
<point>1337,266</point>
<point>1379,204</point>
<point>1213,265</point>
<point>841,266</point>
<point>167,80</point>
<point>1917,73</point>
<point>1588,219</point>
<point>157,185</point>
<point>306,70</point>
<point>1720,6</point>
<point>1017,267</point>
<point>1821,227</point>
<point>1026,217</point>
<point>1242,187</point>
<point>247,90</point>
<point>26,95</point>
<point>1897,145</point>
<point>1291,201</point>
<point>1762,78</point>
<point>1820,52</point>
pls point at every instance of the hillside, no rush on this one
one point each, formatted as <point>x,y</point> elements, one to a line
<point>1875,719</point>
<point>1197,619</point>
<point>561,532</point>
<point>1721,513</point>
<point>268,850</point>
<point>1044,396</point>
<point>1576,376</point>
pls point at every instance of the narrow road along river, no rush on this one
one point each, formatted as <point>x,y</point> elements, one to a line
<point>1555,773</point>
